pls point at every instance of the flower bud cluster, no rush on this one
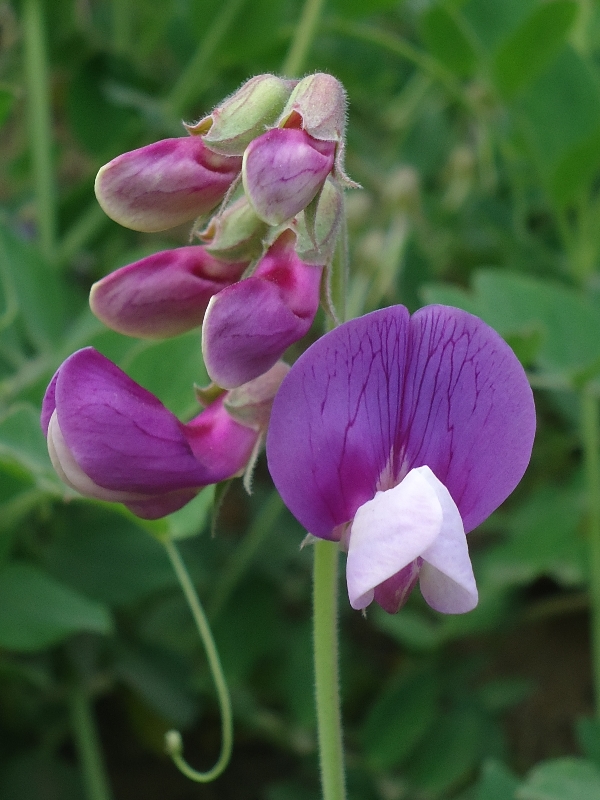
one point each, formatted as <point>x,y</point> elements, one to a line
<point>261,178</point>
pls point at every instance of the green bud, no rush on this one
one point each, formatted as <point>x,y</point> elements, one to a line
<point>318,226</point>
<point>237,234</point>
<point>244,115</point>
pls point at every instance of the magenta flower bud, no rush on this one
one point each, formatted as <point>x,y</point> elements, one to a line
<point>111,439</point>
<point>283,170</point>
<point>250,325</point>
<point>244,115</point>
<point>164,294</point>
<point>236,234</point>
<point>164,184</point>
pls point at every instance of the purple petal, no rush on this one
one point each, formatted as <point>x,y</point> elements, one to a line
<point>250,325</point>
<point>164,184</point>
<point>124,439</point>
<point>283,170</point>
<point>381,395</point>
<point>162,295</point>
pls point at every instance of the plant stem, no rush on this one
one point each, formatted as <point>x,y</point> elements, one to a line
<point>303,38</point>
<point>88,747</point>
<point>173,738</point>
<point>591,437</point>
<point>194,77</point>
<point>40,125</point>
<point>325,591</point>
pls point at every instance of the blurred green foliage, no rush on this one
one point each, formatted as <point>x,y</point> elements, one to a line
<point>474,129</point>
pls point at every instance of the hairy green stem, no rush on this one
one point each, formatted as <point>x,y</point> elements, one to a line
<point>303,38</point>
<point>329,725</point>
<point>194,78</point>
<point>173,738</point>
<point>591,441</point>
<point>40,124</point>
<point>88,747</point>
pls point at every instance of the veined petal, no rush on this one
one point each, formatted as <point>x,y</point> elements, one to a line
<point>383,394</point>
<point>283,170</point>
<point>164,184</point>
<point>250,325</point>
<point>163,295</point>
<point>389,532</point>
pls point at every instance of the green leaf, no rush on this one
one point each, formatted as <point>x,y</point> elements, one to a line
<point>400,717</point>
<point>588,736</point>
<point>99,124</point>
<point>543,540</point>
<point>44,299</point>
<point>496,782</point>
<point>562,779</point>
<point>106,554</point>
<point>22,439</point>
<point>7,101</point>
<point>449,752</point>
<point>37,611</point>
<point>446,41</point>
<point>169,370</point>
<point>493,22</point>
<point>559,115</point>
<point>525,54</point>
<point>158,677</point>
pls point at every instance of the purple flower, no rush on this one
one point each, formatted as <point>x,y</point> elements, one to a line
<point>111,439</point>
<point>248,326</point>
<point>164,294</point>
<point>283,170</point>
<point>397,435</point>
<point>164,184</point>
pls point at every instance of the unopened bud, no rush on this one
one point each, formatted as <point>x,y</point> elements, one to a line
<point>236,234</point>
<point>244,115</point>
<point>319,225</point>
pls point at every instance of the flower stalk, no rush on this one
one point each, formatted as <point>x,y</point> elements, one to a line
<point>88,747</point>
<point>325,637</point>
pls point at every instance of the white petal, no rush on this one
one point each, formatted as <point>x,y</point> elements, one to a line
<point>70,472</point>
<point>446,580</point>
<point>390,531</point>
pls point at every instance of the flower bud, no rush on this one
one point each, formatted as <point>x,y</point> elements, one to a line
<point>318,226</point>
<point>236,234</point>
<point>249,325</point>
<point>164,294</point>
<point>111,439</point>
<point>283,170</point>
<point>320,102</point>
<point>244,115</point>
<point>164,184</point>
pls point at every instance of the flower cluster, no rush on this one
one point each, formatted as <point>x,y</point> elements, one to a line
<point>393,435</point>
<point>261,177</point>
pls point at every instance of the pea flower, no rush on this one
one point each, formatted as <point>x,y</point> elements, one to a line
<point>111,439</point>
<point>396,436</point>
<point>248,326</point>
<point>164,294</point>
<point>164,184</point>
